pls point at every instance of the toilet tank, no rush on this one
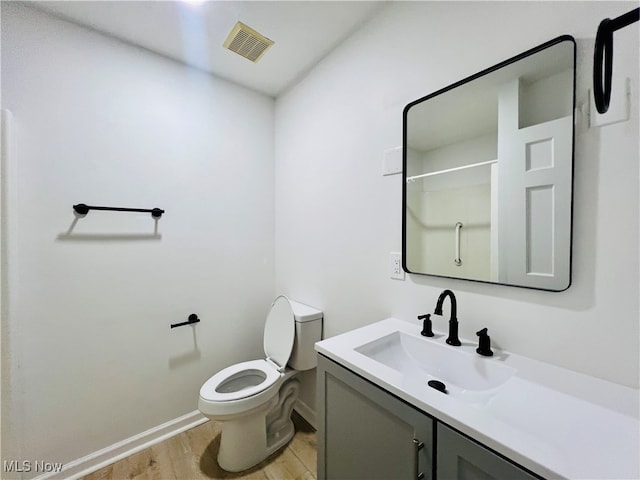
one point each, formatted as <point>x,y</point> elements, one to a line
<point>308,332</point>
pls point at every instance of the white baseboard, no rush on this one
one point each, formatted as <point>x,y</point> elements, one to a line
<point>97,460</point>
<point>306,412</point>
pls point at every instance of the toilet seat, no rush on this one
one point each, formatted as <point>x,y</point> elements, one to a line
<point>263,374</point>
<point>247,379</point>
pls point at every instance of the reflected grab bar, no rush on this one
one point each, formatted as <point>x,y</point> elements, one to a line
<point>457,260</point>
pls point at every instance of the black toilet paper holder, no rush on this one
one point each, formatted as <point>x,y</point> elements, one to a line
<point>193,318</point>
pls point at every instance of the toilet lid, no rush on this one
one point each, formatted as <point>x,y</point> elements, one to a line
<point>279,331</point>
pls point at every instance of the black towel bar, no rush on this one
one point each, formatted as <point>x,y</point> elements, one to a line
<point>83,209</point>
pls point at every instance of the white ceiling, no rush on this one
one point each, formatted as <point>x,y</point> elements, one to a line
<point>304,32</point>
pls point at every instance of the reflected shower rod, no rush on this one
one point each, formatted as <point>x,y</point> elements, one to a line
<point>83,209</point>
<point>449,170</point>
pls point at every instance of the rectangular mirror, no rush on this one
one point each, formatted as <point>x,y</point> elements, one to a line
<point>488,173</point>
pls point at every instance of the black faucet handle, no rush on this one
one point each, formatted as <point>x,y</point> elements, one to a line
<point>426,325</point>
<point>484,343</point>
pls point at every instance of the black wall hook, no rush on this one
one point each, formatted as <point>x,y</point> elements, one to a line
<point>603,57</point>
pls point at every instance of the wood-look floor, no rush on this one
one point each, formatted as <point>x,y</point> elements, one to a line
<point>192,455</point>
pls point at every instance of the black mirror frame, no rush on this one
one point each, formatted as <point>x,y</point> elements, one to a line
<point>509,61</point>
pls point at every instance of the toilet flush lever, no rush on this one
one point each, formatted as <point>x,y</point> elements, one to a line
<point>193,318</point>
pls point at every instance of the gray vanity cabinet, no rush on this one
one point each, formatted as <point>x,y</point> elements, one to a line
<point>366,433</point>
<point>459,457</point>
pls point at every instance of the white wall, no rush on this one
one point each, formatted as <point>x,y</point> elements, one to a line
<point>99,122</point>
<point>337,217</point>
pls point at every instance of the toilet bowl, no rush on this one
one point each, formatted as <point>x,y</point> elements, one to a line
<point>252,401</point>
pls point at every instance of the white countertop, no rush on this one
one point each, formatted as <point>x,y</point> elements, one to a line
<point>553,421</point>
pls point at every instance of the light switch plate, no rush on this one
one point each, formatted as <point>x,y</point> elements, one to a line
<point>392,161</point>
<point>618,106</point>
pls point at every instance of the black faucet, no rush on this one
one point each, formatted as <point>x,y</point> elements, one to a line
<point>452,339</point>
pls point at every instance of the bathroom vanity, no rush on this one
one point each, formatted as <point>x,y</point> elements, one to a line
<point>504,416</point>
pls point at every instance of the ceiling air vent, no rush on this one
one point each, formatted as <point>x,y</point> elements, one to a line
<point>247,42</point>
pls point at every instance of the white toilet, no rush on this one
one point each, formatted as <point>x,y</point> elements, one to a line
<point>252,401</point>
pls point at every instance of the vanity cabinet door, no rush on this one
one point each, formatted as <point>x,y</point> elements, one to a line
<point>460,458</point>
<point>367,433</point>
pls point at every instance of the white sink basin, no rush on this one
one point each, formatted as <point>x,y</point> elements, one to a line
<point>462,372</point>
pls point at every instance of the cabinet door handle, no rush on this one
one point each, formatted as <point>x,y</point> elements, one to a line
<point>417,446</point>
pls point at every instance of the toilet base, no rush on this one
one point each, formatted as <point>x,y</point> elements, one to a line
<point>247,440</point>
